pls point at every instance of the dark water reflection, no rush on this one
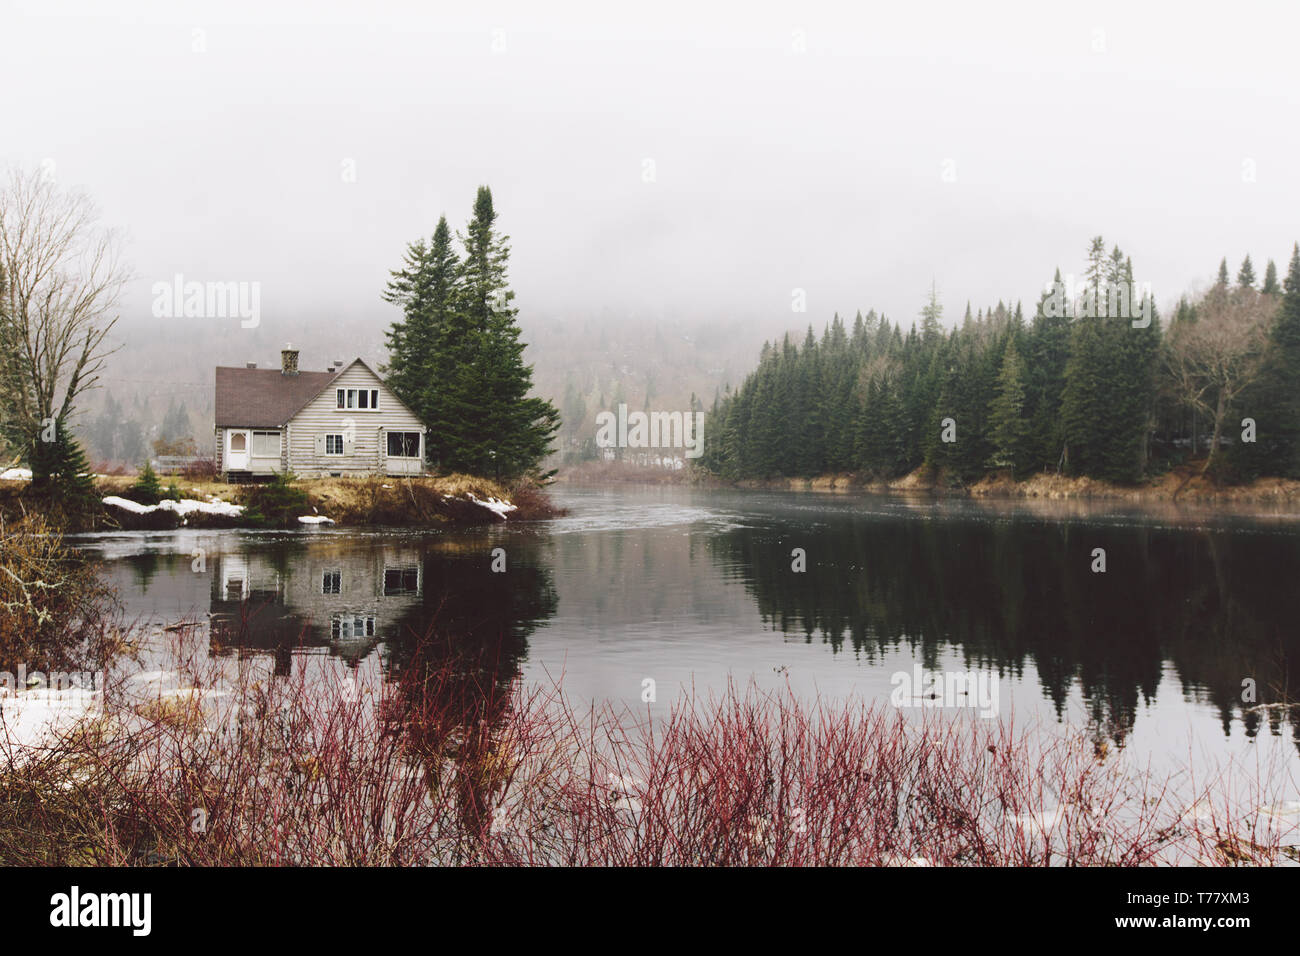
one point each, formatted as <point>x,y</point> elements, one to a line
<point>694,587</point>
<point>1219,604</point>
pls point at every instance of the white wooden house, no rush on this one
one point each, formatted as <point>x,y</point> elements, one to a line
<point>343,421</point>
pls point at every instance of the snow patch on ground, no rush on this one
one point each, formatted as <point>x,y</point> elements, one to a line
<point>1043,820</point>
<point>37,718</point>
<point>16,474</point>
<point>314,519</point>
<point>193,693</point>
<point>500,508</point>
<point>150,677</point>
<point>186,506</point>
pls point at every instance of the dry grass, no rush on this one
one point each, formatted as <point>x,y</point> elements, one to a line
<point>389,500</point>
<point>1183,484</point>
<point>1176,485</point>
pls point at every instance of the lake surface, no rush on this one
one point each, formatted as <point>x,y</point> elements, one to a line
<point>692,587</point>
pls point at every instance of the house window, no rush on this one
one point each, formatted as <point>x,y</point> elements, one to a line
<point>362,398</point>
<point>346,626</point>
<point>401,580</point>
<point>403,444</point>
<point>238,441</point>
<point>266,444</point>
<point>333,444</point>
<point>331,582</point>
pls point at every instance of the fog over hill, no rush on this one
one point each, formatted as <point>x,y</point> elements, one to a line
<point>579,362</point>
<point>671,185</point>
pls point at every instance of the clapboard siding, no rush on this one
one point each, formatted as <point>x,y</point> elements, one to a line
<point>366,451</point>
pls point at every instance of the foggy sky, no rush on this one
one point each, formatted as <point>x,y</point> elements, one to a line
<point>775,169</point>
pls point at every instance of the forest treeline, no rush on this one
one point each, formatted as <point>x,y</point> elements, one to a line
<point>1092,383</point>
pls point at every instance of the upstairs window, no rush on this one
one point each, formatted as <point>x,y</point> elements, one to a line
<point>366,399</point>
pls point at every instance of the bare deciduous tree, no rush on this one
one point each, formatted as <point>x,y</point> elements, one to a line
<point>1216,355</point>
<point>61,280</point>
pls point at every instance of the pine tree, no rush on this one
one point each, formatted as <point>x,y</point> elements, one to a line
<point>60,471</point>
<point>1095,273</point>
<point>1223,273</point>
<point>456,356</point>
<point>1270,286</point>
<point>1105,405</point>
<point>1279,427</point>
<point>1007,420</point>
<point>147,490</point>
<point>867,442</point>
<point>1246,274</point>
<point>1048,350</point>
<point>498,429</point>
<point>932,316</point>
<point>1082,414</point>
<point>426,289</point>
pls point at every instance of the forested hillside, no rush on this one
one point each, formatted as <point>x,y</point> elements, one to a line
<point>158,385</point>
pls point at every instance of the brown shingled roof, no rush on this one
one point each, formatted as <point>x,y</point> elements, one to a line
<point>265,397</point>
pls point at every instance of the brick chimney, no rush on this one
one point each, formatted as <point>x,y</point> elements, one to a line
<point>288,361</point>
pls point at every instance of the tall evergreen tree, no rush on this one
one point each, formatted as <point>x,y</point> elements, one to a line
<point>1082,399</point>
<point>426,289</point>
<point>1246,274</point>
<point>456,356</point>
<point>1010,427</point>
<point>1105,403</point>
<point>497,429</point>
<point>1048,349</point>
<point>1270,286</point>
<point>1279,429</point>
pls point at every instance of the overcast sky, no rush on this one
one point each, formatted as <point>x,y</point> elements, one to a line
<point>856,151</point>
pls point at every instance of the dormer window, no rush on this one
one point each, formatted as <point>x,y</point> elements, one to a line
<point>366,399</point>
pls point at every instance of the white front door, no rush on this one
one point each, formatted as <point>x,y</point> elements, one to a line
<point>237,450</point>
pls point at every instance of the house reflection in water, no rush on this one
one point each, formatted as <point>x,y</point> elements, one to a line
<point>345,600</point>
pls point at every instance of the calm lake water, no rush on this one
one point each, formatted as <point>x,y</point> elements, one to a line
<point>691,587</point>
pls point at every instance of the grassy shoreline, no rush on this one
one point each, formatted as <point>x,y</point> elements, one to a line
<point>1180,485</point>
<point>429,502</point>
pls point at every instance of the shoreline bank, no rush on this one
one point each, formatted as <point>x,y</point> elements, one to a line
<point>453,501</point>
<point>1179,485</point>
